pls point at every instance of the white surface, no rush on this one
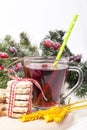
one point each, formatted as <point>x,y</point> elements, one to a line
<point>7,123</point>
<point>80,116</point>
<point>80,121</point>
<point>74,121</point>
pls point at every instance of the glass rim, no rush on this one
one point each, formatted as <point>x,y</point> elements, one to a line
<point>45,59</point>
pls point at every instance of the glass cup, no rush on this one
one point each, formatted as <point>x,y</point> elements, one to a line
<point>51,80</point>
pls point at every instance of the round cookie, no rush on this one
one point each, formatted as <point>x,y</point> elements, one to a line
<point>18,109</point>
<point>2,109</point>
<point>20,84</point>
<point>14,115</point>
<point>20,90</point>
<point>2,95</point>
<point>21,97</point>
<point>19,103</point>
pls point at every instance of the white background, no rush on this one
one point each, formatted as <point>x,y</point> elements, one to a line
<point>38,17</point>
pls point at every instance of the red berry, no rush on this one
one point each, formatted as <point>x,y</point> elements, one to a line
<point>44,65</point>
<point>1,67</point>
<point>76,58</point>
<point>56,46</point>
<point>18,66</point>
<point>48,43</point>
<point>3,55</point>
<point>13,50</point>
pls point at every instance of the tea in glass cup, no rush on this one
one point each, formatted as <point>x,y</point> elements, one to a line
<point>51,80</point>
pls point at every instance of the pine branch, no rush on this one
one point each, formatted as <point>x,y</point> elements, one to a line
<point>16,52</point>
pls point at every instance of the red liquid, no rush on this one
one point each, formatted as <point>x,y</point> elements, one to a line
<point>51,81</point>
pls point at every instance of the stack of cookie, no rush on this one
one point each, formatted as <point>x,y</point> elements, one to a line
<point>18,98</point>
<point>2,102</point>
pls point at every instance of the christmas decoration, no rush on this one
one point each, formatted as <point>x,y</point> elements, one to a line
<point>3,55</point>
<point>51,43</point>
<point>11,56</point>
<point>12,53</point>
<point>49,47</point>
<point>13,50</point>
<point>1,67</point>
<point>55,38</point>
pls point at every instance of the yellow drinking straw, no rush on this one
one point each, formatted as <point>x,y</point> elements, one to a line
<point>65,40</point>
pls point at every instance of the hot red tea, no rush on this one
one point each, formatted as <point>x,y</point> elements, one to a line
<point>51,81</point>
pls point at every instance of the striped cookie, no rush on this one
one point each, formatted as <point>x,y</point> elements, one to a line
<point>21,97</point>
<point>19,103</point>
<point>20,90</point>
<point>15,115</point>
<point>20,84</point>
